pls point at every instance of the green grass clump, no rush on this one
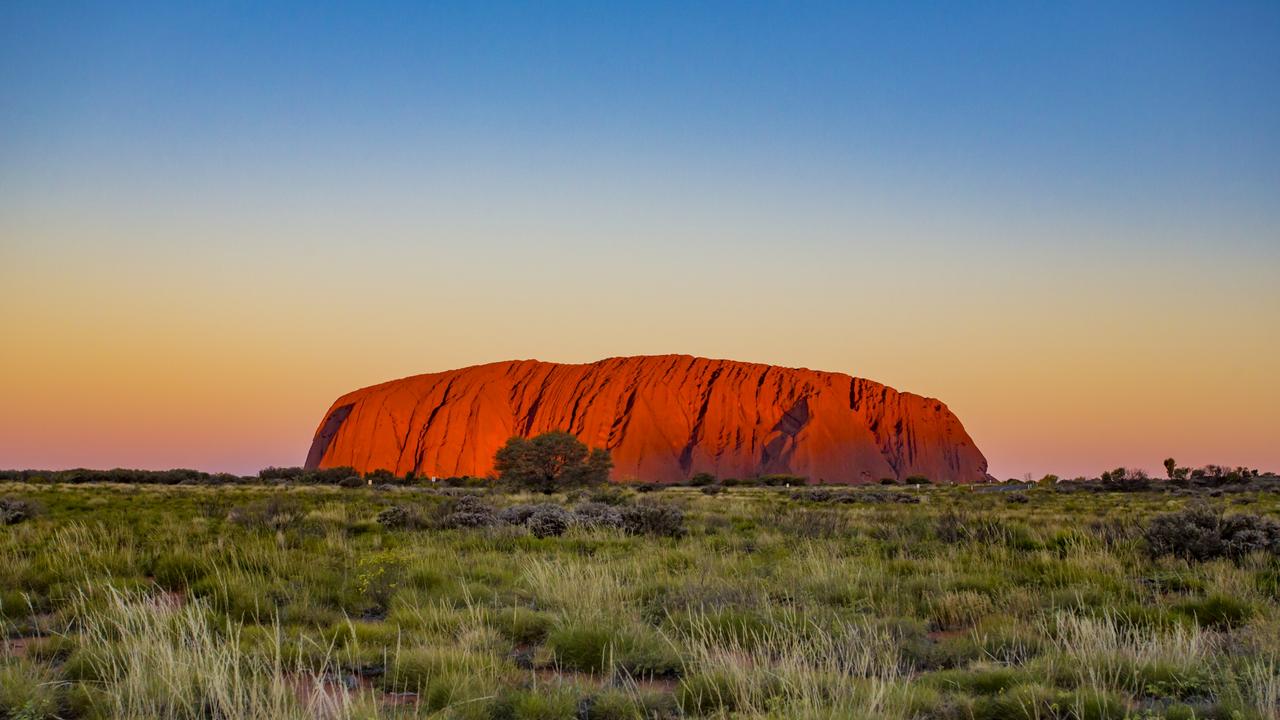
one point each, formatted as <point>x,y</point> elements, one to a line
<point>980,681</point>
<point>27,691</point>
<point>540,704</point>
<point>522,625</point>
<point>178,569</point>
<point>611,705</point>
<point>596,647</point>
<point>1217,611</point>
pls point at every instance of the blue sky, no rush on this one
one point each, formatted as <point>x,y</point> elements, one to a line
<point>1154,104</point>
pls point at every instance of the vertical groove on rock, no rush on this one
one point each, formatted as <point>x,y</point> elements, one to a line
<point>686,455</point>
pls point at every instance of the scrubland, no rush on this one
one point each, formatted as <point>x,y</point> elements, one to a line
<point>954,603</point>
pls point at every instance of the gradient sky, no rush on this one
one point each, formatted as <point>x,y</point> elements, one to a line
<point>1063,219</point>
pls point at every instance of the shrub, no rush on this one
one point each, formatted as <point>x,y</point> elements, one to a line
<point>702,479</point>
<point>542,519</point>
<point>382,476</point>
<point>1245,534</point>
<point>781,480</point>
<point>1198,533</point>
<point>272,472</point>
<point>1123,480</point>
<point>465,519</point>
<point>399,516</point>
<point>15,510</point>
<point>548,521</point>
<point>469,511</point>
<point>516,514</point>
<point>816,494</point>
<point>597,515</point>
<point>653,519</point>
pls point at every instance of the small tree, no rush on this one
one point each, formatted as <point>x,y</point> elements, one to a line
<point>702,479</point>
<point>1170,467</point>
<point>551,461</point>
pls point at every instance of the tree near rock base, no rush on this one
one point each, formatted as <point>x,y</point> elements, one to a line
<point>551,461</point>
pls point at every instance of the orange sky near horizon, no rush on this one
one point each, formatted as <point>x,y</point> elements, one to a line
<point>200,359</point>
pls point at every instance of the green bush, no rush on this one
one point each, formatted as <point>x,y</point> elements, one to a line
<point>552,461</point>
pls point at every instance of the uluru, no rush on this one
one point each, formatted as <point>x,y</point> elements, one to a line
<point>663,419</point>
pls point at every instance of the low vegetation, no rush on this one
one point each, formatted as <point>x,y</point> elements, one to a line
<point>294,599</point>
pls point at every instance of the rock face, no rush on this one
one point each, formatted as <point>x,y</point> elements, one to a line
<point>663,418</point>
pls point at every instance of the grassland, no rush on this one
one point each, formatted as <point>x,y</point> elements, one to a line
<point>122,601</point>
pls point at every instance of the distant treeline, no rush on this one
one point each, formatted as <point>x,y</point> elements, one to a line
<point>1117,480</point>
<point>344,476</point>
